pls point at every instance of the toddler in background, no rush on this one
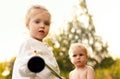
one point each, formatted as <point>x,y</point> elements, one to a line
<point>78,55</point>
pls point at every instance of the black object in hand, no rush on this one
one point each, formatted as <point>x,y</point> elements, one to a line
<point>36,64</point>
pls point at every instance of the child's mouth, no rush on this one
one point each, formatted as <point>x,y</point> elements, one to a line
<point>41,31</point>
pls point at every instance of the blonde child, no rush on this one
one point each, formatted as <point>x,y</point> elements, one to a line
<point>38,20</point>
<point>78,56</point>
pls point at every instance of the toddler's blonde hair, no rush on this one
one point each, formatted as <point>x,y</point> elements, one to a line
<point>80,45</point>
<point>30,12</point>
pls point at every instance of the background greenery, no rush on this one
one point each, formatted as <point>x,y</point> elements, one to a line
<point>77,31</point>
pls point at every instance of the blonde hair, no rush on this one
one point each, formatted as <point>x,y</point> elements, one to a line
<point>30,12</point>
<point>76,45</point>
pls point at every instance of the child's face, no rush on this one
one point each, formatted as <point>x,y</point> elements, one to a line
<point>78,57</point>
<point>39,24</point>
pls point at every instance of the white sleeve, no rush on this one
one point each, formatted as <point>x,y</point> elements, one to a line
<point>23,70</point>
<point>20,66</point>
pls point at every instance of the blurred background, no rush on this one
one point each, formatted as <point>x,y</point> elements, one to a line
<point>94,23</point>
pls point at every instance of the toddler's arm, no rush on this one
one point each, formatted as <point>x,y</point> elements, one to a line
<point>90,73</point>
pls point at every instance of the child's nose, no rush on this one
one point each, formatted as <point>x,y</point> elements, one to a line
<point>78,57</point>
<point>42,25</point>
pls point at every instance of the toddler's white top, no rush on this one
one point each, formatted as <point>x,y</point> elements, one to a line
<point>20,70</point>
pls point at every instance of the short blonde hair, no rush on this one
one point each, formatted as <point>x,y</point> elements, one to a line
<point>80,45</point>
<point>30,12</point>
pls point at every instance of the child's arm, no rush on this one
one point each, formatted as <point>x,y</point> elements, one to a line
<point>70,73</point>
<point>90,73</point>
<point>25,54</point>
<point>23,70</point>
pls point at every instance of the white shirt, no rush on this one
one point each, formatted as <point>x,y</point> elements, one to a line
<point>20,70</point>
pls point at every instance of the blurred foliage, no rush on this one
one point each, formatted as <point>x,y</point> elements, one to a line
<point>6,68</point>
<point>80,29</point>
<point>111,72</point>
<point>115,69</point>
<point>105,63</point>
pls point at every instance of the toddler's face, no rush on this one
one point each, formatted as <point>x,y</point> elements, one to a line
<point>39,24</point>
<point>78,56</point>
